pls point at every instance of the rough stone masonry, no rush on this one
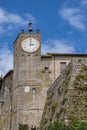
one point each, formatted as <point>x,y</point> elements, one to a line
<point>68,95</point>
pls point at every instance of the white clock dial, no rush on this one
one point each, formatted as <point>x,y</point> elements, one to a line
<point>30,44</point>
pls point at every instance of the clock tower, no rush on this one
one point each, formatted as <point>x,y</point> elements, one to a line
<point>27,88</point>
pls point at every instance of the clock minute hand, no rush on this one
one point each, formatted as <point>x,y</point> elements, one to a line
<point>30,41</point>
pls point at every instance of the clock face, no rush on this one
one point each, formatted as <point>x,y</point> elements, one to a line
<point>30,44</point>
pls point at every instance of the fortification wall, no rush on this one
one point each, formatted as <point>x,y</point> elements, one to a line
<point>6,100</point>
<point>68,95</point>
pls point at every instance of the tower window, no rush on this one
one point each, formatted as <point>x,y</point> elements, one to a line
<point>46,69</point>
<point>22,54</point>
<point>62,66</point>
<point>33,90</point>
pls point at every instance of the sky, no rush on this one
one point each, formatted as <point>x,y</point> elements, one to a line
<point>63,24</point>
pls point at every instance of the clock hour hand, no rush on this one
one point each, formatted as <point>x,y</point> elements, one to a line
<point>31,44</point>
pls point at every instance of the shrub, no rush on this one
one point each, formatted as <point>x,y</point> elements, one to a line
<point>23,127</point>
<point>54,107</point>
<point>62,126</point>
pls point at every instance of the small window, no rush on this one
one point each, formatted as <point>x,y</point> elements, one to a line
<point>33,90</point>
<point>62,66</point>
<point>46,69</point>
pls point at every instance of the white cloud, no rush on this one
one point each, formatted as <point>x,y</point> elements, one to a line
<point>74,17</point>
<point>7,20</point>
<point>6,60</point>
<point>57,46</point>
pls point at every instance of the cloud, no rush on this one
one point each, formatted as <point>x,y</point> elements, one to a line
<point>73,17</point>
<point>7,20</point>
<point>58,46</point>
<point>6,60</point>
<point>84,3</point>
<point>6,17</point>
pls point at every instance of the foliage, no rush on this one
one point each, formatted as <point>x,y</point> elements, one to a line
<point>57,126</point>
<point>62,126</point>
<point>81,81</point>
<point>76,124</point>
<point>85,68</point>
<point>66,81</point>
<point>67,71</point>
<point>23,127</point>
<point>54,107</point>
<point>64,100</point>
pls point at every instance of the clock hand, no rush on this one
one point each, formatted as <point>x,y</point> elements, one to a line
<point>30,41</point>
<point>32,44</point>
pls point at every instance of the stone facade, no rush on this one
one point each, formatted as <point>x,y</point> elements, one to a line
<point>6,101</point>
<point>1,101</point>
<point>68,95</point>
<point>33,75</point>
<point>24,90</point>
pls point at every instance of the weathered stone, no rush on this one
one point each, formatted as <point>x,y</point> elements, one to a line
<point>68,95</point>
<point>24,90</point>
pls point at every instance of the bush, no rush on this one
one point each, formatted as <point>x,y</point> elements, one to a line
<point>61,126</point>
<point>23,127</point>
<point>54,107</point>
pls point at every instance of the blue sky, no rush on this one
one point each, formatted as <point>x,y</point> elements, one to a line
<point>63,24</point>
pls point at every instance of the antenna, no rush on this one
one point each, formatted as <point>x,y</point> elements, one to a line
<point>30,26</point>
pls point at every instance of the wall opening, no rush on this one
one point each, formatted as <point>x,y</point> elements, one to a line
<point>62,66</point>
<point>23,127</point>
<point>46,69</point>
<point>33,128</point>
<point>33,90</point>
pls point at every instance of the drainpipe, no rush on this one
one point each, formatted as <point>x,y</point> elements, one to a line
<point>54,68</point>
<point>10,127</point>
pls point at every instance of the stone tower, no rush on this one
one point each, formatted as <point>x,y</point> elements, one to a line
<point>28,92</point>
<point>32,75</point>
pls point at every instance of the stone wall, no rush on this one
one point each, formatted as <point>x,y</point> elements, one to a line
<point>1,80</point>
<point>68,95</point>
<point>6,98</point>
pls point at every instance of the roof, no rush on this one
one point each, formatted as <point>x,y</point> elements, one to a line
<point>7,73</point>
<point>68,54</point>
<point>46,56</point>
